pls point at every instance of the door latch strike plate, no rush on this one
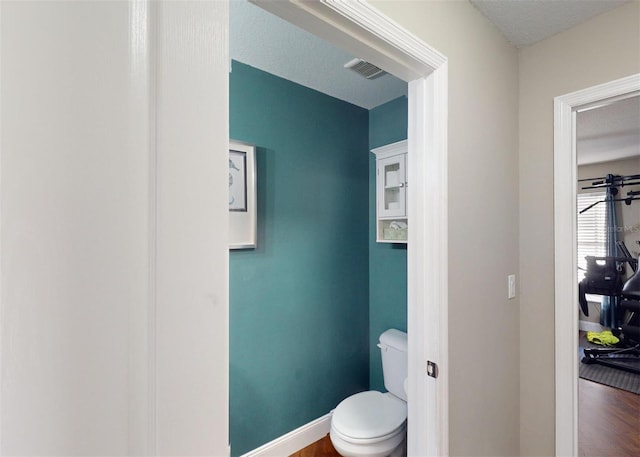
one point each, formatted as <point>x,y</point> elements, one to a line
<point>432,369</point>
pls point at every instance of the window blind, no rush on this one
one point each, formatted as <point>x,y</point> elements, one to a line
<point>592,228</point>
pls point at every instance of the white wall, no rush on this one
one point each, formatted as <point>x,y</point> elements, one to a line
<point>603,49</point>
<point>112,313</point>
<point>483,221</point>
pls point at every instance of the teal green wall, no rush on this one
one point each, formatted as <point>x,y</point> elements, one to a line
<point>387,262</point>
<point>299,303</point>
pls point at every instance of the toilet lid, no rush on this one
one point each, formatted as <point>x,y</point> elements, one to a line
<point>369,415</point>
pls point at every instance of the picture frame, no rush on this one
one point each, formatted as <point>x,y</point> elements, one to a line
<point>242,195</point>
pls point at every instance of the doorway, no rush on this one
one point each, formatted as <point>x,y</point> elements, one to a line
<point>566,109</point>
<point>360,30</point>
<point>608,146</point>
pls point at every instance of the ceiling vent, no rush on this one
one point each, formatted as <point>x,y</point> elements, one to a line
<point>365,69</point>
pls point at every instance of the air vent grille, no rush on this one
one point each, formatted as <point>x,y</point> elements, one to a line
<point>365,69</point>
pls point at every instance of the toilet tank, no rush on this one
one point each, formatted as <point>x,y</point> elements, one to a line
<point>393,348</point>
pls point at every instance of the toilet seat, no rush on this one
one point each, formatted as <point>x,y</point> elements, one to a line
<point>398,433</point>
<point>369,417</point>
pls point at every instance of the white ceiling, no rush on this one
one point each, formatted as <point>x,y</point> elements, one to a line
<point>525,22</point>
<point>610,132</point>
<point>264,41</point>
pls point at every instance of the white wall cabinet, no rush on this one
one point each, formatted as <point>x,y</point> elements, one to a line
<point>391,193</point>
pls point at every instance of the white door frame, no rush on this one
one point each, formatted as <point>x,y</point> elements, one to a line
<point>363,31</point>
<point>566,288</point>
<point>138,266</point>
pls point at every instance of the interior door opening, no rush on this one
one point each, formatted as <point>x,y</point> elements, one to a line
<point>566,108</point>
<point>395,52</point>
<point>608,163</point>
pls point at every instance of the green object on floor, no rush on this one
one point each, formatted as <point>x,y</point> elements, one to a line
<point>604,338</point>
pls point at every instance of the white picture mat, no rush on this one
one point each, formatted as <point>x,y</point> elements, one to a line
<point>237,180</point>
<point>242,211</point>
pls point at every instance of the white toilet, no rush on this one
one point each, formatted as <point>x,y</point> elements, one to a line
<point>372,423</point>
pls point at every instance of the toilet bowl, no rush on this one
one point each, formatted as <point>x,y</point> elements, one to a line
<point>372,423</point>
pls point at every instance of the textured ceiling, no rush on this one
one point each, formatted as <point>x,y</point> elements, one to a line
<point>524,22</point>
<point>264,41</point>
<point>610,132</point>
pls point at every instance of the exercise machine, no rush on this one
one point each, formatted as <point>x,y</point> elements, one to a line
<point>604,277</point>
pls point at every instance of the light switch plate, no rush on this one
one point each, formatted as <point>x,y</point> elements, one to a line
<point>511,279</point>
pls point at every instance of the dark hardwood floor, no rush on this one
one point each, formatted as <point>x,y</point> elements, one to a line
<point>321,448</point>
<point>608,421</point>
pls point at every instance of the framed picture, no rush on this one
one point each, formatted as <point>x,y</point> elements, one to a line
<point>242,195</point>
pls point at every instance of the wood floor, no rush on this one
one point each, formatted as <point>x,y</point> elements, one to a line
<point>608,424</point>
<point>321,448</point>
<point>608,421</point>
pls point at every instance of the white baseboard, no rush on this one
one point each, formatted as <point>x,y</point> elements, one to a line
<point>587,326</point>
<point>294,440</point>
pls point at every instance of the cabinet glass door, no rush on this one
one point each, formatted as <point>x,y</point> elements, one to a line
<point>392,198</point>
